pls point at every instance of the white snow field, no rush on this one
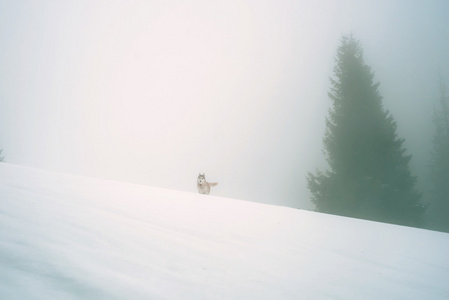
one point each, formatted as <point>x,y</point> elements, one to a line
<point>69,237</point>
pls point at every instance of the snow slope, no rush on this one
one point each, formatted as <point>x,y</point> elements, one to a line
<point>68,237</point>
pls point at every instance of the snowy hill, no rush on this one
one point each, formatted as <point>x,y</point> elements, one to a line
<point>68,237</point>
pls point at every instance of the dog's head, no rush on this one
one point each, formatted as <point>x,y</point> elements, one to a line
<point>201,179</point>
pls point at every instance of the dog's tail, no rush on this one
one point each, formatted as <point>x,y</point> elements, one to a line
<point>213,183</point>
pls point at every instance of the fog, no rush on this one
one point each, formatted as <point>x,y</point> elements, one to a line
<point>154,92</point>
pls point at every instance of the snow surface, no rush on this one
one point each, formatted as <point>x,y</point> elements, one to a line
<point>69,237</point>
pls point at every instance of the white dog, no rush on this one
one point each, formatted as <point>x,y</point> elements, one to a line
<point>203,185</point>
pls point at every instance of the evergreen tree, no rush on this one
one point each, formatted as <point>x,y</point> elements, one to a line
<point>369,176</point>
<point>439,212</point>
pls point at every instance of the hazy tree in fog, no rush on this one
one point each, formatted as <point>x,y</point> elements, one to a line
<point>439,211</point>
<point>1,157</point>
<point>369,175</point>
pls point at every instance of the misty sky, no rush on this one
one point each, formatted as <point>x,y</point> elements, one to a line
<point>154,92</point>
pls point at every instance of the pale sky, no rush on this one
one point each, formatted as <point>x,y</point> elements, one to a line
<point>154,92</point>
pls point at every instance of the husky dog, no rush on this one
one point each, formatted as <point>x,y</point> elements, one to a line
<point>203,185</point>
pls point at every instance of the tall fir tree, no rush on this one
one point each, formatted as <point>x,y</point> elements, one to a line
<point>369,176</point>
<point>439,173</point>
